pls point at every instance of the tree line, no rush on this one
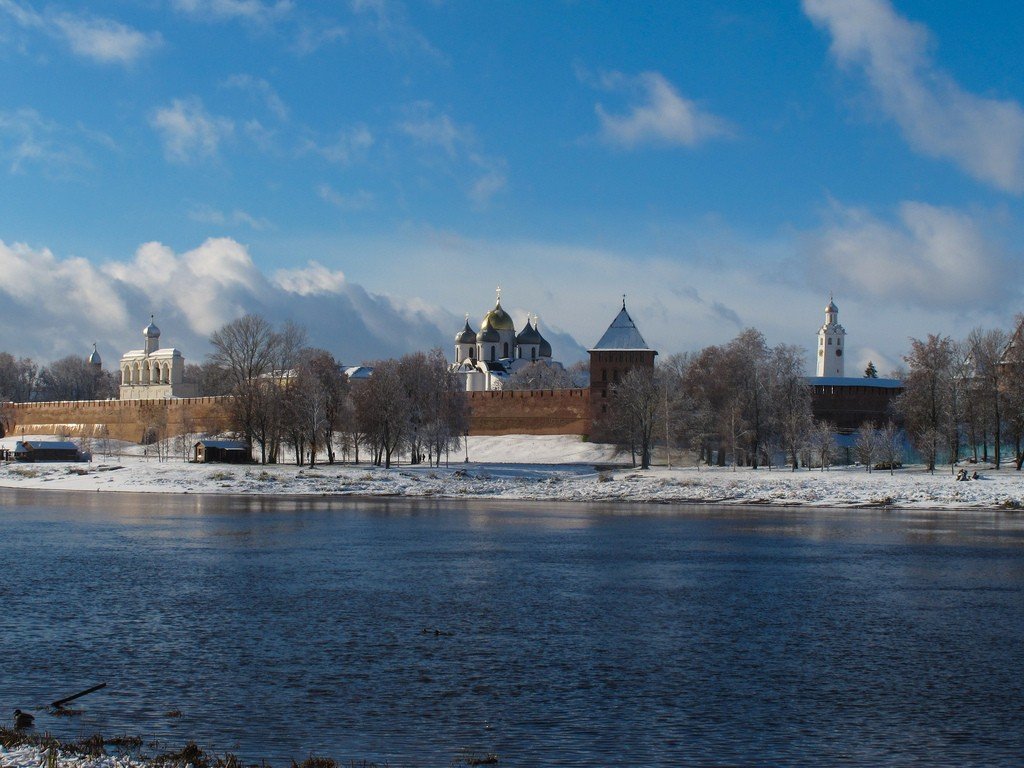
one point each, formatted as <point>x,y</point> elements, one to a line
<point>742,402</point>
<point>287,396</point>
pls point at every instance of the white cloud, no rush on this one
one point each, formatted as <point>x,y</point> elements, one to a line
<point>312,38</point>
<point>432,128</point>
<point>103,40</point>
<point>189,132</point>
<point>28,139</point>
<point>351,144</point>
<point>928,256</point>
<point>312,280</point>
<point>262,90</point>
<point>253,11</point>
<point>63,304</point>
<point>346,201</point>
<point>656,114</point>
<point>237,217</point>
<point>57,297</point>
<point>984,136</point>
<point>388,21</point>
<point>487,186</point>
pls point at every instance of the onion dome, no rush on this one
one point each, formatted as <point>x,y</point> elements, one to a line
<point>831,307</point>
<point>94,358</point>
<point>545,346</point>
<point>498,319</point>
<point>467,336</point>
<point>487,335</point>
<point>529,335</point>
<point>151,331</point>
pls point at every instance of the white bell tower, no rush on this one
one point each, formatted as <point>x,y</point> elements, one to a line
<point>830,343</point>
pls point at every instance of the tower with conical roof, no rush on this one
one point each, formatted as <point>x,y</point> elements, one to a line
<point>830,343</point>
<point>620,350</point>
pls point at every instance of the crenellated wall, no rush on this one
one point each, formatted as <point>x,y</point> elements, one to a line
<point>120,419</point>
<point>530,412</point>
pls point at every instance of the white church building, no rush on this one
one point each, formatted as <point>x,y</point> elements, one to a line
<point>830,344</point>
<point>152,373</point>
<point>485,359</point>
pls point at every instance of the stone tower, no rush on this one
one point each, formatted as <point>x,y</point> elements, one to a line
<point>830,343</point>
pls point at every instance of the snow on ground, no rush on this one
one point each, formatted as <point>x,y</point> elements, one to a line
<point>558,468</point>
<point>34,757</point>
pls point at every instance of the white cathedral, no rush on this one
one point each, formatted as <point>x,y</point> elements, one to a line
<point>152,373</point>
<point>486,358</point>
<point>830,344</point>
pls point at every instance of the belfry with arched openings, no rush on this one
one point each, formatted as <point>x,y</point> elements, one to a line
<point>154,373</point>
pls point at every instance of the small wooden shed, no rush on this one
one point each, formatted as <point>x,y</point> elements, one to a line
<point>221,451</point>
<point>46,450</point>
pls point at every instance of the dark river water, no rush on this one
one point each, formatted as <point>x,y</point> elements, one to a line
<point>425,632</point>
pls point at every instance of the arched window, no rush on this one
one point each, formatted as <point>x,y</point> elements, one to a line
<point>506,350</point>
<point>533,353</point>
<point>494,352</point>
<point>126,376</point>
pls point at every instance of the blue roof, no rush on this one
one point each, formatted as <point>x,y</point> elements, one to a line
<point>227,445</point>
<point>50,445</point>
<point>850,381</point>
<point>622,334</point>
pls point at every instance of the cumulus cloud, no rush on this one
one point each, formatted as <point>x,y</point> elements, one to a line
<point>65,303</point>
<point>938,118</point>
<point>253,11</point>
<point>312,280</point>
<point>926,255</point>
<point>656,113</point>
<point>189,133</point>
<point>100,39</point>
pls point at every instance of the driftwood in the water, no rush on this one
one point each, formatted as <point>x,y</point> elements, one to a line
<point>78,695</point>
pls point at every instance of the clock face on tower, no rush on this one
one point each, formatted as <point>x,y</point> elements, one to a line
<point>839,353</point>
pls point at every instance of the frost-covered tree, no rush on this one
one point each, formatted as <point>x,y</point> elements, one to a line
<point>928,403</point>
<point>17,378</point>
<point>73,378</point>
<point>866,445</point>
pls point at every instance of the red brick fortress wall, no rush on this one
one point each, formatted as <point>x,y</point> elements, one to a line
<point>121,419</point>
<point>530,412</point>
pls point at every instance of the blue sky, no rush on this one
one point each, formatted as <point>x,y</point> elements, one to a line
<point>375,168</point>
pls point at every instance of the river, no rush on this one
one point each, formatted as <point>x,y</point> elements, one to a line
<point>424,632</point>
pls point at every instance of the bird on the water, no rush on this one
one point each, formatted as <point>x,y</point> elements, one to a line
<point>23,719</point>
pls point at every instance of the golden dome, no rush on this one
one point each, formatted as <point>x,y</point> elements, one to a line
<point>498,319</point>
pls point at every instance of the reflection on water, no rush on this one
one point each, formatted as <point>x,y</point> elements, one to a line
<point>556,634</point>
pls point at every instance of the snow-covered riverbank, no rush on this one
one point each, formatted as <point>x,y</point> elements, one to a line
<point>558,468</point>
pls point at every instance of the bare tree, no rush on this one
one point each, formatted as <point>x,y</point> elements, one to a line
<point>540,375</point>
<point>257,362</point>
<point>890,446</point>
<point>867,445</point>
<point>73,378</point>
<point>635,404</point>
<point>382,410</point>
<point>823,443</point>
<point>790,399</point>
<point>927,402</point>
<point>986,350</point>
<point>17,378</point>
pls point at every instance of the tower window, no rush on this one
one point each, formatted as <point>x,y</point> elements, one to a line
<point>830,342</point>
